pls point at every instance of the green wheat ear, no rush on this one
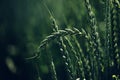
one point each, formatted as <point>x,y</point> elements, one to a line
<point>88,65</point>
<point>64,51</point>
<point>98,54</point>
<point>115,28</point>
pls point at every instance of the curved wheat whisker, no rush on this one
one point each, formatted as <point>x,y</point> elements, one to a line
<point>33,57</point>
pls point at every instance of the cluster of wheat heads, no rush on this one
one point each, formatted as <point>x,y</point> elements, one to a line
<point>95,62</point>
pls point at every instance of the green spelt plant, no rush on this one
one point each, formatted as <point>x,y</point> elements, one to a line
<point>82,51</point>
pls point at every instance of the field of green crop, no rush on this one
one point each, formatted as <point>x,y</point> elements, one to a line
<point>59,40</point>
